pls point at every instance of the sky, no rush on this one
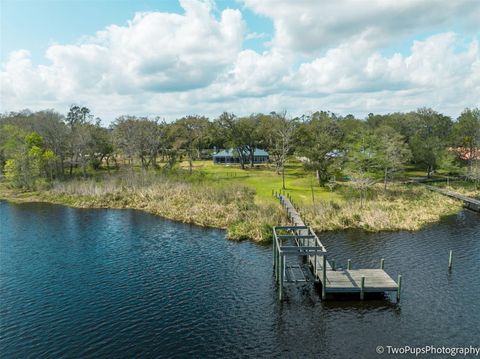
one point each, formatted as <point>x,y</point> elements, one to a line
<point>174,58</point>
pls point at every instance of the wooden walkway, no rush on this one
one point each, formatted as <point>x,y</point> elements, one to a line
<point>468,202</point>
<point>302,241</point>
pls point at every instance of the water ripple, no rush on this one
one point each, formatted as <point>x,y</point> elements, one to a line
<point>125,284</point>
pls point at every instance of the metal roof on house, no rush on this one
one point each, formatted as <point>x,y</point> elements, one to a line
<point>233,153</point>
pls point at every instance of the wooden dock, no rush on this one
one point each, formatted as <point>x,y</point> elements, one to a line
<point>299,240</point>
<point>468,202</point>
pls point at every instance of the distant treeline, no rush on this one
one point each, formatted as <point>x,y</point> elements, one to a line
<point>38,147</point>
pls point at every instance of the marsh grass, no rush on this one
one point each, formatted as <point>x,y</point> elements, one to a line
<point>399,208</point>
<point>232,208</point>
<point>242,203</point>
<point>466,188</point>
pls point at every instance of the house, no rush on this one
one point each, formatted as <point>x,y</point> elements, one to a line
<point>232,156</point>
<point>465,154</point>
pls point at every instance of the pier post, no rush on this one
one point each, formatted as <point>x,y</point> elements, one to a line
<point>399,283</point>
<point>280,286</point>
<point>275,266</point>
<point>279,265</point>
<point>332,264</point>
<point>324,281</point>
<point>450,260</point>
<point>349,264</point>
<point>273,251</point>
<point>362,288</point>
<point>382,263</point>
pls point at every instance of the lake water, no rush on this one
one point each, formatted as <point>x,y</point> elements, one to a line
<point>97,283</point>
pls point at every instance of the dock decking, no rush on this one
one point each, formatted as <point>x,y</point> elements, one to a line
<point>302,241</point>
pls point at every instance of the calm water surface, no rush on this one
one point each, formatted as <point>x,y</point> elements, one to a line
<point>78,283</point>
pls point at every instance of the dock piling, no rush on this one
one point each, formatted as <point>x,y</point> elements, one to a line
<point>273,252</point>
<point>399,283</point>
<point>299,240</point>
<point>362,288</point>
<point>324,281</point>
<point>450,260</point>
<point>280,286</point>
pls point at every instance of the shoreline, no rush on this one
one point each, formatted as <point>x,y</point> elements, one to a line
<point>206,214</point>
<point>31,198</point>
<point>244,230</point>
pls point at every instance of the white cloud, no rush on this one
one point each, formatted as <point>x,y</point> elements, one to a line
<point>154,52</point>
<point>254,74</point>
<point>171,65</point>
<point>438,72</point>
<point>255,35</point>
<point>313,26</point>
<point>19,77</point>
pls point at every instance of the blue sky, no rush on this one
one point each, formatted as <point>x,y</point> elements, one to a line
<point>34,25</point>
<point>172,58</point>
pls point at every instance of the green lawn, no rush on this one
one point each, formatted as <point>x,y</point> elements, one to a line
<point>263,179</point>
<point>414,171</point>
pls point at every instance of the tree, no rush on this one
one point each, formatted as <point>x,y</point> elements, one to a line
<point>390,151</point>
<point>192,135</point>
<point>277,136</point>
<point>431,136</point>
<point>124,137</point>
<point>83,145</point>
<point>249,135</point>
<point>50,126</point>
<point>350,124</point>
<point>242,134</point>
<point>466,135</point>
<point>474,174</point>
<point>27,159</point>
<point>362,161</point>
<point>101,146</point>
<point>138,137</point>
<point>373,154</point>
<point>320,140</point>
<point>79,136</point>
<point>234,133</point>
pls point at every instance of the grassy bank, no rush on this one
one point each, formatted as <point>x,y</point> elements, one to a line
<point>262,179</point>
<point>400,208</point>
<point>233,209</point>
<point>467,188</point>
<point>240,201</point>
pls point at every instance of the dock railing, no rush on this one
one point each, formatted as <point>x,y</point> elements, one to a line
<point>299,239</point>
